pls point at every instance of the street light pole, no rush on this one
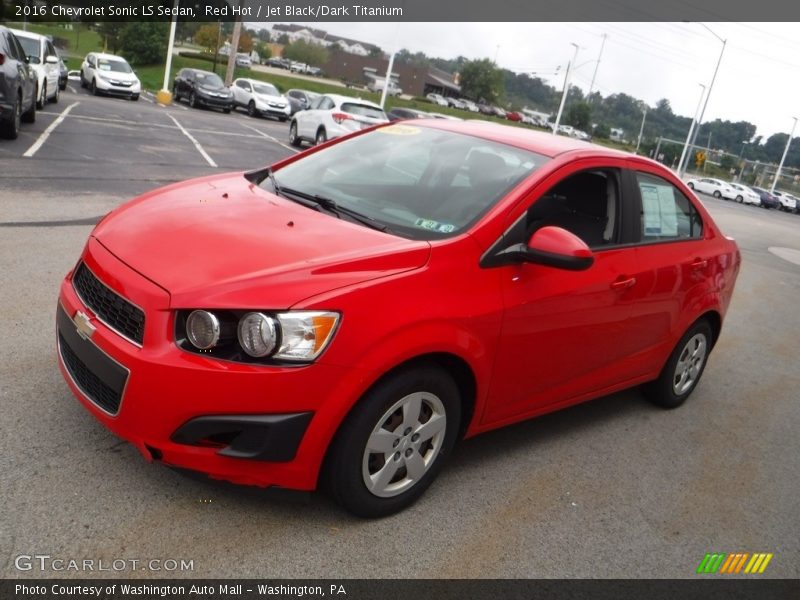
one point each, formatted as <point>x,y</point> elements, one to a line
<point>164,96</point>
<point>682,167</point>
<point>691,131</point>
<point>742,165</point>
<point>641,129</point>
<point>597,66</point>
<point>566,89</point>
<point>783,158</point>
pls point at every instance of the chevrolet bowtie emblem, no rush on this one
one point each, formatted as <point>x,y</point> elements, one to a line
<point>83,325</point>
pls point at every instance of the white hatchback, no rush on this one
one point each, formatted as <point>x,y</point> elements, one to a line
<point>745,195</point>
<point>260,98</point>
<point>109,74</point>
<point>331,116</point>
<point>43,58</point>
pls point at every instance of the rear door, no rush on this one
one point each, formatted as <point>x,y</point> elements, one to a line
<point>52,70</point>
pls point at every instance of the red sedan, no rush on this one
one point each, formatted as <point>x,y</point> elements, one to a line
<point>514,116</point>
<point>347,315</point>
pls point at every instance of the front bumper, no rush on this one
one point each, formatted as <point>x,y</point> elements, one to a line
<point>117,89</point>
<point>274,111</point>
<point>257,425</point>
<point>214,102</point>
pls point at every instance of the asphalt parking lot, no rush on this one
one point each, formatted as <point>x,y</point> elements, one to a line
<point>613,488</point>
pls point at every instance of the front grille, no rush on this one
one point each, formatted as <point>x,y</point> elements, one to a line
<point>89,383</point>
<point>111,308</point>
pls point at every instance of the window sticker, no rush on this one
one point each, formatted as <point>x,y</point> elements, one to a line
<point>399,130</point>
<point>660,210</point>
<point>435,225</point>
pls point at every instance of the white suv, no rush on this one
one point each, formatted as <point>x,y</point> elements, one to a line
<point>260,98</point>
<point>376,85</point>
<point>109,74</point>
<point>788,202</point>
<point>44,60</point>
<point>331,116</point>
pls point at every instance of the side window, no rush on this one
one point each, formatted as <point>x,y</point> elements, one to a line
<point>666,213</point>
<point>16,48</point>
<point>326,104</point>
<point>316,103</point>
<point>51,51</point>
<point>586,204</point>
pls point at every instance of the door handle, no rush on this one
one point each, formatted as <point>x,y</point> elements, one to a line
<point>698,264</point>
<point>623,284</point>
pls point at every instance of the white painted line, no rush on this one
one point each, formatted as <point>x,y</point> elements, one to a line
<point>195,142</point>
<point>269,137</point>
<point>71,89</point>
<point>146,99</point>
<point>46,133</point>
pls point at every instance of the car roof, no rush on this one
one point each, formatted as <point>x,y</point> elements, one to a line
<point>28,34</point>
<point>540,142</point>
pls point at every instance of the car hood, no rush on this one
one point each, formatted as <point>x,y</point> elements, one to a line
<point>119,76</point>
<point>224,242</point>
<point>270,98</point>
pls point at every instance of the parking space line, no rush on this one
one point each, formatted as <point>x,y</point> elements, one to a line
<point>269,137</point>
<point>46,133</point>
<point>195,142</point>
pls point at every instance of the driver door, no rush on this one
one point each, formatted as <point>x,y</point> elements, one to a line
<point>566,334</point>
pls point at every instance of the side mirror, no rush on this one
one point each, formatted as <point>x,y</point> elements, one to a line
<point>551,246</point>
<point>51,60</point>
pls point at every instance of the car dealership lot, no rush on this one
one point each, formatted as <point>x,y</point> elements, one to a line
<point>612,488</point>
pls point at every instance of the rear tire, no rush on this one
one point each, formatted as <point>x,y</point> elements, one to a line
<point>393,444</point>
<point>717,194</point>
<point>251,109</point>
<point>42,100</point>
<point>691,186</point>
<point>29,116</point>
<point>321,138</point>
<point>294,139</point>
<point>684,368</point>
<point>739,199</point>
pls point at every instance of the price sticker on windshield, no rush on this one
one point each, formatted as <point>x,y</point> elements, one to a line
<point>399,130</point>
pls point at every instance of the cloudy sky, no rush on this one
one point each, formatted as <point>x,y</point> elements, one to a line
<point>758,80</point>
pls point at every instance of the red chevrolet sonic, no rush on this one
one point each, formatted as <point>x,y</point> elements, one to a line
<point>343,317</point>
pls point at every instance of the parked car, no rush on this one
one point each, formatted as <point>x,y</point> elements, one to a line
<point>278,346</point>
<point>63,72</point>
<point>443,116</point>
<point>298,67</point>
<point>437,99</point>
<point>43,58</point>
<point>315,71</point>
<point>243,60</point>
<point>18,85</point>
<point>713,187</point>
<point>202,88</point>
<point>376,85</point>
<point>109,74</point>
<point>260,98</point>
<point>513,115</point>
<point>499,112</point>
<point>278,63</point>
<point>300,99</point>
<point>768,200</point>
<point>485,109</point>
<point>399,113</point>
<point>469,105</point>
<point>788,202</point>
<point>456,103</point>
<point>331,116</point>
<point>745,195</point>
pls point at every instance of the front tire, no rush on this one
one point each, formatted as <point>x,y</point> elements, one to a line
<point>43,98</point>
<point>691,186</point>
<point>717,194</point>
<point>683,370</point>
<point>56,96</point>
<point>393,444</point>
<point>29,116</point>
<point>294,139</point>
<point>739,199</point>
<point>193,100</point>
<point>93,88</point>
<point>251,109</point>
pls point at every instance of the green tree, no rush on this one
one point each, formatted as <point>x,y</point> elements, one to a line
<point>375,52</point>
<point>579,115</point>
<point>263,51</point>
<point>283,39</point>
<point>110,32</point>
<point>602,131</point>
<point>207,36</point>
<point>481,80</point>
<point>144,42</point>
<point>302,51</point>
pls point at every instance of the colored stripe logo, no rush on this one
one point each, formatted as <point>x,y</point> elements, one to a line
<point>737,562</point>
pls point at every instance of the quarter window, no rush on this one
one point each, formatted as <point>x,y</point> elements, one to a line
<point>666,213</point>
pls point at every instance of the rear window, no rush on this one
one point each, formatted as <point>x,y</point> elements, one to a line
<point>420,182</point>
<point>363,110</point>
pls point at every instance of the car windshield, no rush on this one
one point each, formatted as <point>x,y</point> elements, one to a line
<point>266,89</point>
<point>211,80</point>
<point>116,66</point>
<point>419,182</point>
<point>31,47</point>
<point>363,110</point>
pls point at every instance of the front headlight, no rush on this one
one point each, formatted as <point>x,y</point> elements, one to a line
<point>256,336</point>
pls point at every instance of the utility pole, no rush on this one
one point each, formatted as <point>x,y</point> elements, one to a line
<point>216,48</point>
<point>237,31</point>
<point>566,89</point>
<point>641,130</point>
<point>783,158</point>
<point>597,66</point>
<point>691,131</point>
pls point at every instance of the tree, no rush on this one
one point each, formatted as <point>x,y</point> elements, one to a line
<point>264,51</point>
<point>579,115</point>
<point>110,32</point>
<point>481,80</point>
<point>283,39</point>
<point>208,36</point>
<point>144,42</point>
<point>245,42</point>
<point>376,52</point>
<point>302,51</point>
<point>602,131</point>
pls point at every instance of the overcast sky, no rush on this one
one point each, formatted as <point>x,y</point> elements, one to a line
<point>758,80</point>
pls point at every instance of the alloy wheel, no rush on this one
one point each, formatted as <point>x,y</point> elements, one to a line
<point>690,364</point>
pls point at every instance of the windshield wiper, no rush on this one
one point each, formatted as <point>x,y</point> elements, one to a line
<point>316,201</point>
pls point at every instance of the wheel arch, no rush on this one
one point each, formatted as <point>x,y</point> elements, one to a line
<point>715,320</point>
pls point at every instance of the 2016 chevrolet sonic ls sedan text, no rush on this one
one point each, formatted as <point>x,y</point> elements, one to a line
<point>343,317</point>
